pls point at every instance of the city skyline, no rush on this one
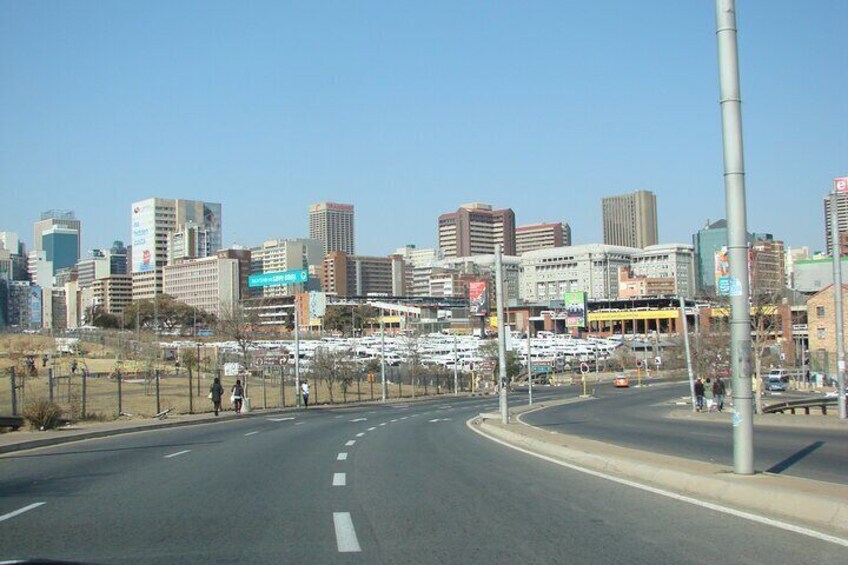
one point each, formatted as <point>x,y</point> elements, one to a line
<point>507,112</point>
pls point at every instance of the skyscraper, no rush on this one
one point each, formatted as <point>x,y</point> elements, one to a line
<point>474,229</point>
<point>152,220</point>
<point>630,219</point>
<point>331,223</point>
<point>60,218</point>
<point>841,220</point>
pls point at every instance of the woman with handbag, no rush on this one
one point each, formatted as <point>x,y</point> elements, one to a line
<point>237,396</point>
<point>215,394</point>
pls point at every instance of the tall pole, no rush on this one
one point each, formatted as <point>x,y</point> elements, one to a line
<point>382,357</point>
<point>688,355</point>
<point>504,379</point>
<point>455,368</point>
<point>737,231</point>
<point>529,365</point>
<point>837,299</point>
<point>297,354</point>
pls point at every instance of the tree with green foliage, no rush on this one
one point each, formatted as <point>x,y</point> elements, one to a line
<point>489,350</point>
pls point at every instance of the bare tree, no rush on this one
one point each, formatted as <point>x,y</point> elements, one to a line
<point>765,322</point>
<point>334,367</point>
<point>236,323</point>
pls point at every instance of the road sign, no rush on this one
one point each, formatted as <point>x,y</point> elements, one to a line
<point>278,278</point>
<point>584,368</point>
<point>270,360</point>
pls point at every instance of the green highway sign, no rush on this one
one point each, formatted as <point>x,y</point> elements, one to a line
<point>278,278</point>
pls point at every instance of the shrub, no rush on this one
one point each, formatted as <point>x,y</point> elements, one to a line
<point>43,415</point>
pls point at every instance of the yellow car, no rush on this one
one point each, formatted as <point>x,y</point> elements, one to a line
<point>621,381</point>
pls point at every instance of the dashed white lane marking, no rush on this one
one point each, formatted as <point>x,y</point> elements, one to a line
<point>360,434</point>
<point>345,534</point>
<point>372,428</point>
<point>20,511</point>
<point>439,420</point>
<point>669,494</point>
<point>339,479</point>
<point>337,417</point>
<point>178,453</point>
<point>350,442</point>
<point>299,423</point>
<point>360,420</point>
<point>280,419</point>
<point>395,420</point>
<point>250,433</point>
<point>383,424</point>
<point>405,417</point>
<point>342,456</point>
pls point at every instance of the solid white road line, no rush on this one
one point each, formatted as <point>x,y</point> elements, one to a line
<point>372,428</point>
<point>360,434</point>
<point>21,511</point>
<point>250,433</point>
<point>672,495</point>
<point>178,453</point>
<point>345,534</point>
<point>342,456</point>
<point>350,442</point>
<point>339,479</point>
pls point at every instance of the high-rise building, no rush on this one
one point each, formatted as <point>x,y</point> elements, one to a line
<point>152,220</point>
<point>630,220</point>
<point>541,236</point>
<point>243,256</point>
<point>474,229</point>
<point>707,242</point>
<point>13,257</point>
<point>331,223</point>
<point>210,283</point>
<point>60,246</point>
<point>190,241</point>
<point>277,255</point>
<point>56,218</point>
<point>841,219</point>
<point>767,264</point>
<point>674,262</point>
<point>362,276</point>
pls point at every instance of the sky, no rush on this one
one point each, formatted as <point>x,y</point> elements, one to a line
<point>408,109</point>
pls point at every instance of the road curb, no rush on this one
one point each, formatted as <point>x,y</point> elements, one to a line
<point>813,504</point>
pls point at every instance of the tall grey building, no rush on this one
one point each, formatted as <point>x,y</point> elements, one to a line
<point>841,220</point>
<point>331,223</point>
<point>630,220</point>
<point>56,218</point>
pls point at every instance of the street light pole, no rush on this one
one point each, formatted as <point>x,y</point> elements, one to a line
<point>529,365</point>
<point>297,354</point>
<point>455,368</point>
<point>688,355</point>
<point>837,297</point>
<point>737,238</point>
<point>382,356</point>
<point>504,378</point>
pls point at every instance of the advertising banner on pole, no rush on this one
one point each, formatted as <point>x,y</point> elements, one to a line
<point>575,309</point>
<point>478,298</point>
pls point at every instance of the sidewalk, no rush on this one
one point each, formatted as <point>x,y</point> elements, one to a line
<point>807,503</point>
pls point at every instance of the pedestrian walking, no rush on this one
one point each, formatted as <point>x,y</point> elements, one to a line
<point>304,391</point>
<point>709,397</point>
<point>237,396</point>
<point>719,390</point>
<point>74,367</point>
<point>699,395</point>
<point>215,394</point>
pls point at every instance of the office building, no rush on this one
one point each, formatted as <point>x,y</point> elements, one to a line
<point>190,241</point>
<point>475,229</point>
<point>90,270</point>
<point>22,307</point>
<point>483,268</point>
<point>767,264</point>
<point>152,221</point>
<point>243,256</point>
<point>13,257</point>
<point>210,284</point>
<point>673,262</point>
<point>363,276</point>
<point>56,218</point>
<point>541,236</point>
<point>841,219</point>
<point>277,255</point>
<point>708,241</point>
<point>60,246</point>
<point>547,274</point>
<point>792,256</point>
<point>331,223</point>
<point>112,294</point>
<point>630,220</point>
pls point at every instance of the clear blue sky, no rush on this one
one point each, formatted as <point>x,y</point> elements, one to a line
<point>407,110</point>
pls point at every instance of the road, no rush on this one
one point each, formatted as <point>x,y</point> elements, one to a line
<point>402,483</point>
<point>637,418</point>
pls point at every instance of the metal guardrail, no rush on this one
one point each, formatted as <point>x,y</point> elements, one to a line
<point>805,405</point>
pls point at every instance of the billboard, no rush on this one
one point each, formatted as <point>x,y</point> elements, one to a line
<point>840,184</point>
<point>277,278</point>
<point>575,309</point>
<point>35,306</point>
<point>144,236</point>
<point>478,298</point>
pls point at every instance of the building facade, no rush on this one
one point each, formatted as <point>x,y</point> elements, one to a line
<point>56,218</point>
<point>630,220</point>
<point>541,236</point>
<point>549,273</point>
<point>363,276</point>
<point>475,229</point>
<point>332,224</point>
<point>671,261</point>
<point>112,294</point>
<point>277,255</point>
<point>210,284</point>
<point>841,219</point>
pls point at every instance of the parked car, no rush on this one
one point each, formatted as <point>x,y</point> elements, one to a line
<point>774,383</point>
<point>621,381</point>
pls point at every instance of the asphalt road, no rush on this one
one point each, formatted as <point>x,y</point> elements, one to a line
<point>636,417</point>
<point>403,483</point>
